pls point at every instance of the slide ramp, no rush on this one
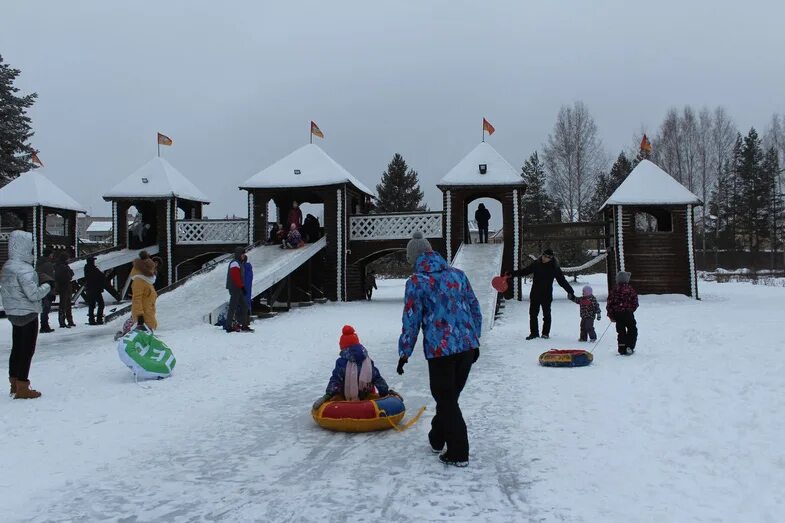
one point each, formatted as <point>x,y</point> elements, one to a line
<point>204,296</point>
<point>481,262</point>
<point>110,260</point>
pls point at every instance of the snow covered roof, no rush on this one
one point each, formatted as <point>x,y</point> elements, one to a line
<point>32,189</point>
<point>100,227</point>
<point>316,168</point>
<point>467,172</point>
<point>647,184</point>
<point>157,179</point>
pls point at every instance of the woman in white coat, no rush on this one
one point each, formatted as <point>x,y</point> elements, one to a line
<point>22,294</point>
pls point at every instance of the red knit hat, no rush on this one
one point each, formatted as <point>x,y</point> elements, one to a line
<point>348,337</point>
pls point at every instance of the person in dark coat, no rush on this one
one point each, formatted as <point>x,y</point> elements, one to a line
<point>370,284</point>
<point>482,216</point>
<point>273,238</point>
<point>63,277</point>
<point>622,304</point>
<point>544,270</point>
<point>235,284</point>
<point>45,268</point>
<point>95,283</point>
<point>310,230</point>
<point>295,216</point>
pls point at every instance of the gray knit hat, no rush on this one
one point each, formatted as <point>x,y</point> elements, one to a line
<point>623,277</point>
<point>416,246</point>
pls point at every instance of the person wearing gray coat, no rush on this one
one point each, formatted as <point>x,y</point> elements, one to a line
<point>22,295</point>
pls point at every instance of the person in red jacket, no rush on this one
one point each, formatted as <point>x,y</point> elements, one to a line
<point>295,216</point>
<point>235,284</point>
<point>622,304</point>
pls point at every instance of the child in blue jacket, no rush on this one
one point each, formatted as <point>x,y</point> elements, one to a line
<point>354,376</point>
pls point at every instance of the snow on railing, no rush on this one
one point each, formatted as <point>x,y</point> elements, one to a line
<point>395,226</point>
<point>211,232</point>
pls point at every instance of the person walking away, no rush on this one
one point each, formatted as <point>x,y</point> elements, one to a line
<point>144,271</point>
<point>295,216</point>
<point>370,284</point>
<point>63,277</point>
<point>483,217</point>
<point>45,268</point>
<point>22,294</point>
<point>95,283</point>
<point>589,310</point>
<point>543,270</point>
<point>248,290</point>
<point>622,304</point>
<point>440,301</point>
<point>355,376</point>
<point>235,284</point>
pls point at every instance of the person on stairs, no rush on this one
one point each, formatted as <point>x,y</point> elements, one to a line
<point>22,294</point>
<point>45,268</point>
<point>237,313</point>
<point>355,376</point>
<point>622,304</point>
<point>439,300</point>
<point>95,283</point>
<point>483,217</point>
<point>63,277</point>
<point>144,271</point>
<point>544,270</point>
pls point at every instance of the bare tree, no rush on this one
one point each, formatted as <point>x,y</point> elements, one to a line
<point>667,146</point>
<point>705,166</point>
<point>775,137</point>
<point>574,157</point>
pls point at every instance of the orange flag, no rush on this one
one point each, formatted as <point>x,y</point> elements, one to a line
<point>487,127</point>
<point>164,140</point>
<point>35,159</point>
<point>315,130</point>
<point>645,145</point>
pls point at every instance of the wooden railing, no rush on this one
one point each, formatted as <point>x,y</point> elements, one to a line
<point>395,226</point>
<point>212,232</point>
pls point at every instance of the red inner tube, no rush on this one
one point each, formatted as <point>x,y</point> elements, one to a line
<point>566,351</point>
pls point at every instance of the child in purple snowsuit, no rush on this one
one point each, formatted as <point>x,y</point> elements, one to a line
<point>293,239</point>
<point>590,310</point>
<point>622,304</point>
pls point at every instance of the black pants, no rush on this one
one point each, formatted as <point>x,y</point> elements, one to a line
<point>238,309</point>
<point>483,229</point>
<point>46,305</point>
<point>627,329</point>
<point>22,349</point>
<point>369,293</point>
<point>587,329</point>
<point>64,315</point>
<point>448,376</point>
<point>93,300</point>
<point>534,313</point>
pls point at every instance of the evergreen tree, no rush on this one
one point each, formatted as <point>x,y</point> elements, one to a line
<point>399,190</point>
<point>607,183</point>
<point>538,206</point>
<point>755,195</point>
<point>15,131</point>
<point>775,212</point>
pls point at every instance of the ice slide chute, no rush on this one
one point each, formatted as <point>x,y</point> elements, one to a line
<point>111,260</point>
<point>481,262</point>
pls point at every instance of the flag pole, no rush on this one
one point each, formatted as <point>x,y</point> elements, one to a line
<point>310,133</point>
<point>483,131</point>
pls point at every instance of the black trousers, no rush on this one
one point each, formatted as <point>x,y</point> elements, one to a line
<point>64,315</point>
<point>94,300</point>
<point>627,329</point>
<point>23,341</point>
<point>534,312</point>
<point>46,308</point>
<point>448,376</point>
<point>483,229</point>
<point>238,309</point>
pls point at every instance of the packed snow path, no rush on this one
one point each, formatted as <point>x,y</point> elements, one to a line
<point>481,262</point>
<point>688,429</point>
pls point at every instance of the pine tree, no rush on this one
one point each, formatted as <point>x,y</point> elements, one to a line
<point>399,190</point>
<point>607,183</point>
<point>538,206</point>
<point>755,194</point>
<point>15,131</point>
<point>775,212</point>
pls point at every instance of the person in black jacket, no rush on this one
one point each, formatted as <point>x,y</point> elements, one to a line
<point>95,283</point>
<point>543,270</point>
<point>63,276</point>
<point>46,272</point>
<point>482,216</point>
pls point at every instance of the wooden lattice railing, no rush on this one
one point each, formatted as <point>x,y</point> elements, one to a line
<point>395,226</point>
<point>212,232</point>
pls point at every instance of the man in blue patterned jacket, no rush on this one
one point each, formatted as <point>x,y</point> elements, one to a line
<point>440,301</point>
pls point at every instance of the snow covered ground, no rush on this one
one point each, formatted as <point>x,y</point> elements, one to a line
<point>690,428</point>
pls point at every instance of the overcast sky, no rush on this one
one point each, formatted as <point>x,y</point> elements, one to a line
<point>235,84</point>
